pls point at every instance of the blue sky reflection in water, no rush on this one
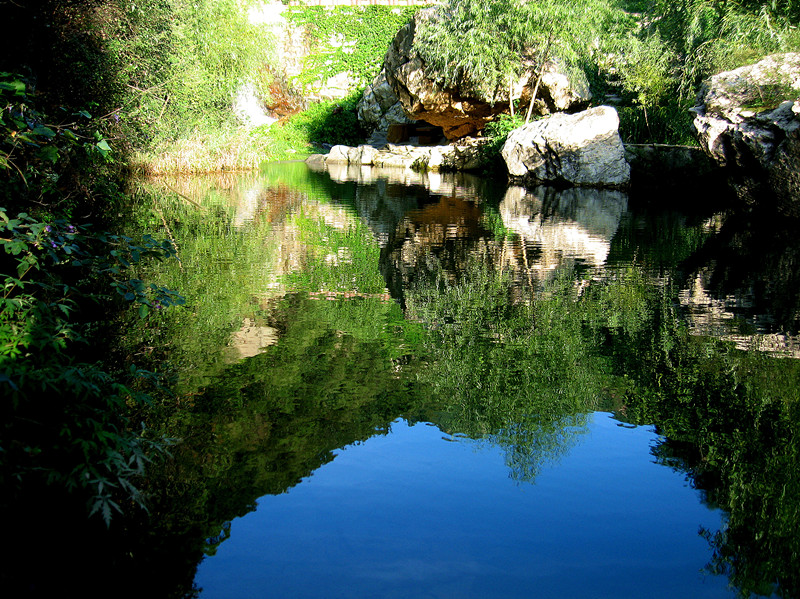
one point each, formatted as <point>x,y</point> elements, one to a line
<point>417,513</point>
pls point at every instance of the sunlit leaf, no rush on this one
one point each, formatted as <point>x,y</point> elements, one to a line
<point>16,86</point>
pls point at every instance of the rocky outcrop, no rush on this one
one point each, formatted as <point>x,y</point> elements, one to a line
<point>429,158</point>
<point>291,91</point>
<point>748,121</point>
<point>582,149</point>
<point>380,107</point>
<point>461,112</point>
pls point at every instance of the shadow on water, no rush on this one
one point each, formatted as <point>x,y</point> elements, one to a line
<point>321,308</point>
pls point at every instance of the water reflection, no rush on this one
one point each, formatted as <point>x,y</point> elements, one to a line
<point>412,515</point>
<point>567,224</point>
<point>323,309</point>
<point>742,284</point>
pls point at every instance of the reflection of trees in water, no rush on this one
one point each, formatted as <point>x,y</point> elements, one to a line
<point>261,425</point>
<point>481,355</point>
<point>519,374</point>
<point>529,235</point>
<point>533,443</point>
<point>730,420</point>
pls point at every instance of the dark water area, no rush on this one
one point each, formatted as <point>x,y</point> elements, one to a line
<point>390,384</point>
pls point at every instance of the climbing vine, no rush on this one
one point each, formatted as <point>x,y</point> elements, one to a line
<point>351,39</point>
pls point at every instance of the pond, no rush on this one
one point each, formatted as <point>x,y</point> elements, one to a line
<point>388,384</point>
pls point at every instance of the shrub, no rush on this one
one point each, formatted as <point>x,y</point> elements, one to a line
<point>332,122</point>
<point>708,36</point>
<point>478,44</point>
<point>65,420</point>
<point>496,133</point>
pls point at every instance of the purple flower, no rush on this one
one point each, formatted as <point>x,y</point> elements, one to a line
<point>48,228</point>
<point>54,244</point>
<point>70,229</point>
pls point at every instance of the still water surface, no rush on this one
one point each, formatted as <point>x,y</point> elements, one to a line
<point>418,514</point>
<point>400,385</point>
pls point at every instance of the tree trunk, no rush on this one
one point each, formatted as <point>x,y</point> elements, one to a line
<point>511,94</point>
<point>545,56</point>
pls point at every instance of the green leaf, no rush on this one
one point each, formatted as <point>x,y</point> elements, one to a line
<point>16,86</point>
<point>49,153</point>
<point>44,131</point>
<point>144,310</point>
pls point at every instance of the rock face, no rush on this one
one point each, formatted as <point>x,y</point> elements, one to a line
<point>583,149</point>
<point>748,121</point>
<point>380,107</point>
<point>461,113</point>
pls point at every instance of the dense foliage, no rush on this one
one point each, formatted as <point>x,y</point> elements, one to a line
<point>479,44</point>
<point>67,422</point>
<point>154,70</point>
<point>350,40</point>
<point>652,55</point>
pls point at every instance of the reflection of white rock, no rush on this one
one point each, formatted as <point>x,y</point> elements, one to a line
<point>249,341</point>
<point>579,223</point>
<point>342,172</point>
<point>248,203</point>
<point>717,317</point>
<point>460,184</point>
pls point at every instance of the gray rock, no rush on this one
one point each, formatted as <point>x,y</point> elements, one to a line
<point>380,107</point>
<point>582,149</point>
<point>748,121</point>
<point>749,90</point>
<point>316,162</point>
<point>561,90</point>
<point>343,154</point>
<point>366,155</point>
<point>407,157</point>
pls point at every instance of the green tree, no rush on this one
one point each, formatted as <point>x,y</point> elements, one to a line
<point>707,36</point>
<point>645,70</point>
<point>474,44</point>
<point>478,45</point>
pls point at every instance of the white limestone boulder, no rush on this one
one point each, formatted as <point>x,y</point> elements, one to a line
<point>582,149</point>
